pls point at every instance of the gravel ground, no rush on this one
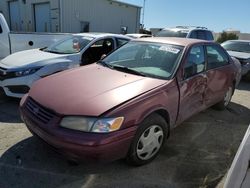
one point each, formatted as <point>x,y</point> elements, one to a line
<point>198,153</point>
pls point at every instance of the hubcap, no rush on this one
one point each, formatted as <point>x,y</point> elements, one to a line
<point>228,96</point>
<point>150,142</point>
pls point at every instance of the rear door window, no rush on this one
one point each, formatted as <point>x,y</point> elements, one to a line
<point>1,29</point>
<point>216,57</point>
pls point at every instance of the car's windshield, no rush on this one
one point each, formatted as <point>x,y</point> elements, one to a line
<point>154,60</point>
<point>172,33</point>
<point>237,46</point>
<point>70,45</point>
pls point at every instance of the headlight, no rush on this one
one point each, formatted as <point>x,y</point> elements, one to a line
<point>102,125</point>
<point>26,72</point>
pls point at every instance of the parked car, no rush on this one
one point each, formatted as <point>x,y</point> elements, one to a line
<point>239,175</point>
<point>11,42</point>
<point>187,32</point>
<point>125,105</point>
<point>138,35</point>
<point>19,70</point>
<point>240,49</point>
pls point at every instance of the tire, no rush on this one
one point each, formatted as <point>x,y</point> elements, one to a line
<point>226,100</point>
<point>246,77</point>
<point>2,93</point>
<point>148,141</point>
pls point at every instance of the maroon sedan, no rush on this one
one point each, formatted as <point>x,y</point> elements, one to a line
<point>125,105</point>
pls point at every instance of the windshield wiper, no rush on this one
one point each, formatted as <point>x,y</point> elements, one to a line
<point>103,63</point>
<point>128,70</point>
<point>43,49</point>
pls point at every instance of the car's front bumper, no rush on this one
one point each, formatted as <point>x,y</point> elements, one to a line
<point>17,87</point>
<point>77,145</point>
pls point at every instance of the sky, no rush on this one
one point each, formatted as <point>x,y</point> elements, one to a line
<point>216,15</point>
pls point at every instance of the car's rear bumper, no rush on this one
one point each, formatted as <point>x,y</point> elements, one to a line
<point>78,145</point>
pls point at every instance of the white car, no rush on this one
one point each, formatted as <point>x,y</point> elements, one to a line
<point>19,70</point>
<point>138,35</point>
<point>194,32</point>
<point>240,49</point>
<point>239,173</point>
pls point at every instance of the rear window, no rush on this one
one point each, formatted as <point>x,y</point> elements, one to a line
<point>209,35</point>
<point>202,34</point>
<point>171,33</point>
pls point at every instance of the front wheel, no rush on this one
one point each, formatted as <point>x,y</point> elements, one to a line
<point>246,77</point>
<point>226,100</point>
<point>148,140</point>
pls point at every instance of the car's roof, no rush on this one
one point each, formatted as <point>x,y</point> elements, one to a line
<point>137,35</point>
<point>173,40</point>
<point>100,35</point>
<point>185,29</point>
<point>176,29</point>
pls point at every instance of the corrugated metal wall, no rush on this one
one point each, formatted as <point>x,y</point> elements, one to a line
<point>102,15</point>
<point>4,9</point>
<point>27,13</point>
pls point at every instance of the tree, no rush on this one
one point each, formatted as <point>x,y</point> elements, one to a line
<point>224,36</point>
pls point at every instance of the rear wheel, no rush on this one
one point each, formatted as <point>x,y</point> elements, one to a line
<point>226,100</point>
<point>148,141</point>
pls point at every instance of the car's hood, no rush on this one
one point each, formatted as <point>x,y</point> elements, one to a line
<point>34,57</point>
<point>240,55</point>
<point>89,90</point>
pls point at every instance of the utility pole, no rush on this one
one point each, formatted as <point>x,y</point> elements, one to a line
<point>143,12</point>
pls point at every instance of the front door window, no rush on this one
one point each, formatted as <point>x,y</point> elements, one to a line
<point>193,85</point>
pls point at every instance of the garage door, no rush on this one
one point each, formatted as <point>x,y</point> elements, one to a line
<point>15,22</point>
<point>42,17</point>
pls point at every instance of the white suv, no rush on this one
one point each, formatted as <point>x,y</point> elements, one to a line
<point>187,32</point>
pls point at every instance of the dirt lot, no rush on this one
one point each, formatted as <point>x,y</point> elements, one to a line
<point>198,153</point>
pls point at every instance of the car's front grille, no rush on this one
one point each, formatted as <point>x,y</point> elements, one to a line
<point>242,61</point>
<point>39,112</point>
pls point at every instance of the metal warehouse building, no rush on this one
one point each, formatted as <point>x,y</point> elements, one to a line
<point>71,15</point>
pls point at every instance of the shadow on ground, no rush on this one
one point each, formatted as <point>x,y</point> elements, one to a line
<point>9,112</point>
<point>207,143</point>
<point>198,154</point>
<point>244,85</point>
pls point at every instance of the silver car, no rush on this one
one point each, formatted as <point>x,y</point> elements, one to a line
<point>240,49</point>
